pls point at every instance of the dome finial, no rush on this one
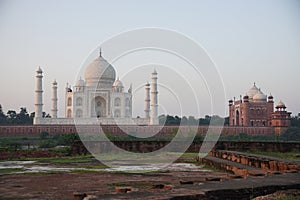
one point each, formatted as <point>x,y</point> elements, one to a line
<point>100,52</point>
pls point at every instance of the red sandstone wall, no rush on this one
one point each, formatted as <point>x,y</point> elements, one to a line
<point>33,130</point>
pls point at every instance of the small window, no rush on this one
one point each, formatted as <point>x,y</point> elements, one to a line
<point>79,113</point>
<point>69,113</point>
<point>117,113</point>
<point>127,102</point>
<point>117,101</point>
<point>69,103</point>
<point>79,101</point>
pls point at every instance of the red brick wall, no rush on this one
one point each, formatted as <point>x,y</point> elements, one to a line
<point>258,112</point>
<point>31,130</point>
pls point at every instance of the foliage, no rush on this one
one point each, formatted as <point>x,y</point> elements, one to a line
<point>67,139</point>
<point>48,141</point>
<point>191,120</point>
<point>292,155</point>
<point>10,170</point>
<point>295,121</point>
<point>3,117</point>
<point>246,137</point>
<point>12,117</point>
<point>291,134</point>
<point>44,135</point>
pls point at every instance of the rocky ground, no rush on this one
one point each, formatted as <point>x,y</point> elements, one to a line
<point>154,185</point>
<point>84,177</point>
<point>283,194</point>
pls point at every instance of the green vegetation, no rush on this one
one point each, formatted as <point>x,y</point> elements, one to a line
<point>291,134</point>
<point>243,137</point>
<point>23,117</point>
<point>295,121</point>
<point>45,140</point>
<point>83,171</point>
<point>14,143</point>
<point>48,141</point>
<point>288,198</point>
<point>191,120</point>
<point>212,168</point>
<point>294,155</point>
<point>9,170</point>
<point>65,159</point>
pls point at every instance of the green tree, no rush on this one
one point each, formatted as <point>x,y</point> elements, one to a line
<point>291,134</point>
<point>184,120</point>
<point>162,119</point>
<point>23,117</point>
<point>3,118</point>
<point>192,120</point>
<point>46,115</point>
<point>295,121</point>
<point>44,135</point>
<point>11,117</point>
<point>205,120</point>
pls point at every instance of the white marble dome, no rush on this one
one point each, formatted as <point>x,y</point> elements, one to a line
<point>260,96</point>
<point>100,72</point>
<point>80,83</point>
<point>253,91</point>
<point>118,83</point>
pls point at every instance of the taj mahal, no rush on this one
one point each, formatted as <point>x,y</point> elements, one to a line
<point>99,98</point>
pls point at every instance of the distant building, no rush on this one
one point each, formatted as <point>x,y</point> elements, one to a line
<point>257,109</point>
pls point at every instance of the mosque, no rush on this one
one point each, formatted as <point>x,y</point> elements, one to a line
<point>257,109</point>
<point>98,99</point>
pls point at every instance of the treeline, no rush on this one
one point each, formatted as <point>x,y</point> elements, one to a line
<point>295,121</point>
<point>171,120</point>
<point>22,117</point>
<point>49,141</point>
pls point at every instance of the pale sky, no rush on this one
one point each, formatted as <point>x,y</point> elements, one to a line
<point>249,41</point>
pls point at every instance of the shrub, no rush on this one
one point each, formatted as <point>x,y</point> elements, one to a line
<point>44,135</point>
<point>291,134</point>
<point>47,144</point>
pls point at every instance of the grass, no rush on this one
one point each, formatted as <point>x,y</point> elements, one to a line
<point>97,167</point>
<point>212,168</point>
<point>190,155</point>
<point>42,173</point>
<point>64,159</point>
<point>288,198</point>
<point>84,171</point>
<point>287,155</point>
<point>9,170</point>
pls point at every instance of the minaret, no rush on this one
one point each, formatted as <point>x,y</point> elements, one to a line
<point>38,96</point>
<point>154,100</point>
<point>54,99</point>
<point>147,101</point>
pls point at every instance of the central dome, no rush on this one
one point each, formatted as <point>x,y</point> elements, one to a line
<point>253,91</point>
<point>100,73</point>
<point>260,96</point>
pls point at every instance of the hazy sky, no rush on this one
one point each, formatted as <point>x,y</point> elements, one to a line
<point>249,41</point>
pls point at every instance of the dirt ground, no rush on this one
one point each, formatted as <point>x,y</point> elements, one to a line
<point>63,186</point>
<point>107,185</point>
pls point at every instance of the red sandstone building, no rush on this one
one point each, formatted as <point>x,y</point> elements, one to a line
<point>256,109</point>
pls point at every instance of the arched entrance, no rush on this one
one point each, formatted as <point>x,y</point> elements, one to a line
<point>237,119</point>
<point>98,107</point>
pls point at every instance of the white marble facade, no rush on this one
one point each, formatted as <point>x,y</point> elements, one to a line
<point>98,98</point>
